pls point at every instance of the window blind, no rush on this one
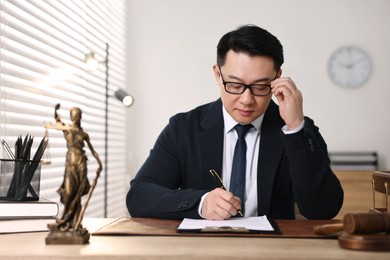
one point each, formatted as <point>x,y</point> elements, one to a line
<point>43,44</point>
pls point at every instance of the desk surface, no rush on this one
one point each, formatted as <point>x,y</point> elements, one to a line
<point>32,246</point>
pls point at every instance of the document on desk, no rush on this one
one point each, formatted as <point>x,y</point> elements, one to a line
<point>249,224</point>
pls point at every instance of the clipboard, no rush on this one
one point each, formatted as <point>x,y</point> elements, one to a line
<point>224,229</point>
<point>232,230</point>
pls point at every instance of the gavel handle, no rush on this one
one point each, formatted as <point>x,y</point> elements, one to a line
<point>328,229</point>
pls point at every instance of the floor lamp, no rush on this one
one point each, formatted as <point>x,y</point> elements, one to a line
<point>92,64</point>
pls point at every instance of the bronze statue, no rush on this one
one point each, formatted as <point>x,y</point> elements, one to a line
<point>68,229</point>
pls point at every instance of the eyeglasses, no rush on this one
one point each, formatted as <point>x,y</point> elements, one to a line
<point>237,88</point>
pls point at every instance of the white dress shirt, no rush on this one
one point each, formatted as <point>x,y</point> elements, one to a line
<point>252,158</point>
<point>252,139</point>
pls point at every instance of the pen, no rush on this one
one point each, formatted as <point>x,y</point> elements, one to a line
<point>7,149</point>
<point>220,184</point>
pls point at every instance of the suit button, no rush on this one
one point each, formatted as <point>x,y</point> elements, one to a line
<point>182,204</point>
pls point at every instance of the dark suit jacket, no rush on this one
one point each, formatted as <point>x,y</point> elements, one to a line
<point>292,169</point>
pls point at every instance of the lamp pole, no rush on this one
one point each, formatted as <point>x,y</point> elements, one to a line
<point>106,136</point>
<point>121,95</point>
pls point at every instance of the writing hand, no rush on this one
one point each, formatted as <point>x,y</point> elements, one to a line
<point>220,204</point>
<point>290,101</point>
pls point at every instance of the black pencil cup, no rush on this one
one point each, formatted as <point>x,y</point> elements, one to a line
<point>19,179</point>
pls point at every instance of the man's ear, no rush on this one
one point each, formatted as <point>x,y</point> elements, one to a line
<point>279,74</point>
<point>217,74</point>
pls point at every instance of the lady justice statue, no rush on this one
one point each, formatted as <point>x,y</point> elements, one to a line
<point>68,229</point>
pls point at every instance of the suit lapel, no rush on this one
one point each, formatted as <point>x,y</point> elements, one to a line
<point>211,138</point>
<point>271,150</point>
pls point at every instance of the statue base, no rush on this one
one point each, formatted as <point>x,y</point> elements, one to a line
<point>69,237</point>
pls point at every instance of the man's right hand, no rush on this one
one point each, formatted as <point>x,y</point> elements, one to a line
<point>220,204</point>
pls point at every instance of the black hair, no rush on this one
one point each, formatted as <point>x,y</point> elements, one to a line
<point>253,41</point>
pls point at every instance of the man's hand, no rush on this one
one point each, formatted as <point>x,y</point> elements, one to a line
<point>290,101</point>
<point>220,204</point>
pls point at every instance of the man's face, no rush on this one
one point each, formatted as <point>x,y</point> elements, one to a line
<point>241,68</point>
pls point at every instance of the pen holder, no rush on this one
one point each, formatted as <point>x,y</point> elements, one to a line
<point>19,179</point>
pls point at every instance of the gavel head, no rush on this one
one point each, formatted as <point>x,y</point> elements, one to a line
<point>366,223</point>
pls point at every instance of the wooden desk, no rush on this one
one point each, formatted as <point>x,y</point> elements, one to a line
<point>32,246</point>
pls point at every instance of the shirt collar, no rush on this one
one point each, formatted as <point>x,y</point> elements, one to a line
<point>230,123</point>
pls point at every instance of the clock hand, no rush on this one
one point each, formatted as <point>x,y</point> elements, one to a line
<point>357,60</point>
<point>346,65</point>
<point>352,64</point>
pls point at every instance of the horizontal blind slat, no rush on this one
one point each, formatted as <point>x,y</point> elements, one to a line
<point>43,45</point>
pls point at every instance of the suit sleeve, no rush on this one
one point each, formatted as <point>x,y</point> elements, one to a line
<point>317,191</point>
<point>156,189</point>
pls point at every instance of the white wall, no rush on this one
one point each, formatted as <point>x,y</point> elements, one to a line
<point>172,46</point>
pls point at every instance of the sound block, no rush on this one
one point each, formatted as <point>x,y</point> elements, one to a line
<point>372,242</point>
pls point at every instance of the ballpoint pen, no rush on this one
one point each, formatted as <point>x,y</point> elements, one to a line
<point>220,184</point>
<point>7,149</point>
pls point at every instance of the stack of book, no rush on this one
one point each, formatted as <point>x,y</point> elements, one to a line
<point>27,216</point>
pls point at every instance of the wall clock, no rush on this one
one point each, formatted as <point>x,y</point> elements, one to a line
<point>349,67</point>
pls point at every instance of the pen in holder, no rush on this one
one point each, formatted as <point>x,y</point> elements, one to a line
<point>19,176</point>
<point>19,179</point>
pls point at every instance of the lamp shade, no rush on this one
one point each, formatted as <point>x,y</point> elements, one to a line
<point>124,97</point>
<point>91,62</point>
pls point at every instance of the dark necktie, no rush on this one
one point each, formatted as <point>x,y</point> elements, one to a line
<point>237,179</point>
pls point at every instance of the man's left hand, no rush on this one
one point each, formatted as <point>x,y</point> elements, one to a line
<point>290,101</point>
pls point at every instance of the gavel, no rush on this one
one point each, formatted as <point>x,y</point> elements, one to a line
<point>358,223</point>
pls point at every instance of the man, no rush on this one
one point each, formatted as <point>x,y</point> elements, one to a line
<point>286,160</point>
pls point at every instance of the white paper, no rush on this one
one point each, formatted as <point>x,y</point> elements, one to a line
<point>252,223</point>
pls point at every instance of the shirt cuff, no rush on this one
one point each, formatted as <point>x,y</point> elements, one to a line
<point>286,131</point>
<point>200,205</point>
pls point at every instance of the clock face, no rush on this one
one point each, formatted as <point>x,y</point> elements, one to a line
<point>349,67</point>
